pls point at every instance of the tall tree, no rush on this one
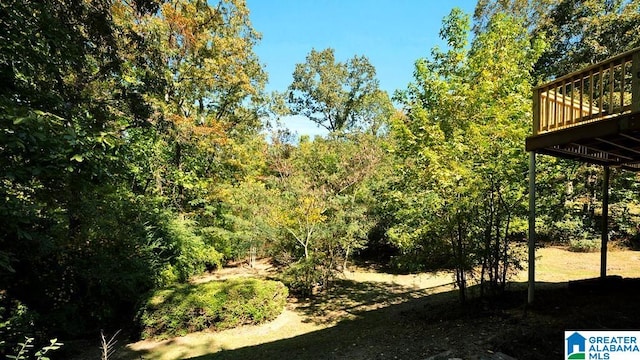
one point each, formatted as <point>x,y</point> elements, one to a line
<point>531,12</point>
<point>208,82</point>
<point>321,214</point>
<point>460,149</point>
<point>584,32</point>
<point>337,96</point>
<point>63,122</point>
<point>579,32</point>
<point>118,120</point>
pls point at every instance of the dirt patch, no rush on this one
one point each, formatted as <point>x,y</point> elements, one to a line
<point>261,269</point>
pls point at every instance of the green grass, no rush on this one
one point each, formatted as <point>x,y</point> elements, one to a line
<point>214,305</point>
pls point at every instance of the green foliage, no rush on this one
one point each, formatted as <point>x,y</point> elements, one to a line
<point>189,252</point>
<point>587,31</point>
<point>83,285</point>
<point>580,33</point>
<point>308,274</point>
<point>17,332</point>
<point>302,276</point>
<point>244,226</point>
<point>214,305</point>
<point>61,122</point>
<point>322,214</point>
<point>25,348</point>
<point>584,245</point>
<point>460,152</point>
<point>15,323</point>
<point>338,96</point>
<point>114,137</point>
<point>567,230</point>
<point>570,200</point>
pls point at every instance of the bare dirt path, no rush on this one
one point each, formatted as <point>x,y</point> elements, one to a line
<point>371,309</point>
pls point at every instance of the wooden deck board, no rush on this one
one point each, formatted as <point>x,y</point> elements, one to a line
<point>581,114</point>
<point>591,115</point>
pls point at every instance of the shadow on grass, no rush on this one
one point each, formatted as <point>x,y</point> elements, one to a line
<point>423,326</point>
<point>349,298</point>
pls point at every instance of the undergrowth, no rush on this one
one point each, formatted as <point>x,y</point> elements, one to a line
<point>584,245</point>
<point>214,305</point>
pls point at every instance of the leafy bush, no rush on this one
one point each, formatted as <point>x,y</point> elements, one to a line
<point>18,336</point>
<point>214,305</point>
<point>15,323</point>
<point>93,279</point>
<point>24,349</point>
<point>190,252</point>
<point>584,245</point>
<point>570,227</point>
<point>127,245</point>
<point>301,276</point>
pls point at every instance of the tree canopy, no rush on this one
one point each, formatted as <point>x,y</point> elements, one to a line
<point>134,155</point>
<point>338,96</point>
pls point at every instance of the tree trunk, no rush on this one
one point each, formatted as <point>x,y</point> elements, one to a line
<point>178,161</point>
<point>74,206</point>
<point>460,272</point>
<point>505,253</point>
<point>252,256</point>
<point>346,258</point>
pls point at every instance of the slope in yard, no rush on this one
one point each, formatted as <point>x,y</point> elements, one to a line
<point>372,315</point>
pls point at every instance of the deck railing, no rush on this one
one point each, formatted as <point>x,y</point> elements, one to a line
<point>601,91</point>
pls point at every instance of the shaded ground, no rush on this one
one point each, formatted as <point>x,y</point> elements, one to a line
<point>418,330</point>
<point>383,316</point>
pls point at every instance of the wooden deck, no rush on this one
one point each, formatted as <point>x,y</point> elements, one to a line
<point>592,115</point>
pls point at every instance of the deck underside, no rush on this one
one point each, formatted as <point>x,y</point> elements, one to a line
<point>613,142</point>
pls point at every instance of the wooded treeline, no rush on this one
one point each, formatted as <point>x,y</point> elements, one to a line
<point>137,151</point>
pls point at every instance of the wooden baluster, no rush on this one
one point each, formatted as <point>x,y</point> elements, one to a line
<point>601,105</point>
<point>564,103</point>
<point>571,103</point>
<point>555,107</point>
<point>547,118</point>
<point>581,111</point>
<point>635,82</point>
<point>590,94</point>
<point>612,79</point>
<point>622,75</point>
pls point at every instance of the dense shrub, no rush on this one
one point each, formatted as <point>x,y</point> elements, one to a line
<point>569,228</point>
<point>189,252</point>
<point>15,320</point>
<point>303,275</point>
<point>94,279</point>
<point>215,305</point>
<point>584,245</point>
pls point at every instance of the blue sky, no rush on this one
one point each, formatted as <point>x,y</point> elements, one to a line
<point>392,34</point>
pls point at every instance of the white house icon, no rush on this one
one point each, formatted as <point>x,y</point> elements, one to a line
<point>576,343</point>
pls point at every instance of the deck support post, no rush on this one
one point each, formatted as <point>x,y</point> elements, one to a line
<point>605,222</point>
<point>532,226</point>
<point>635,82</point>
